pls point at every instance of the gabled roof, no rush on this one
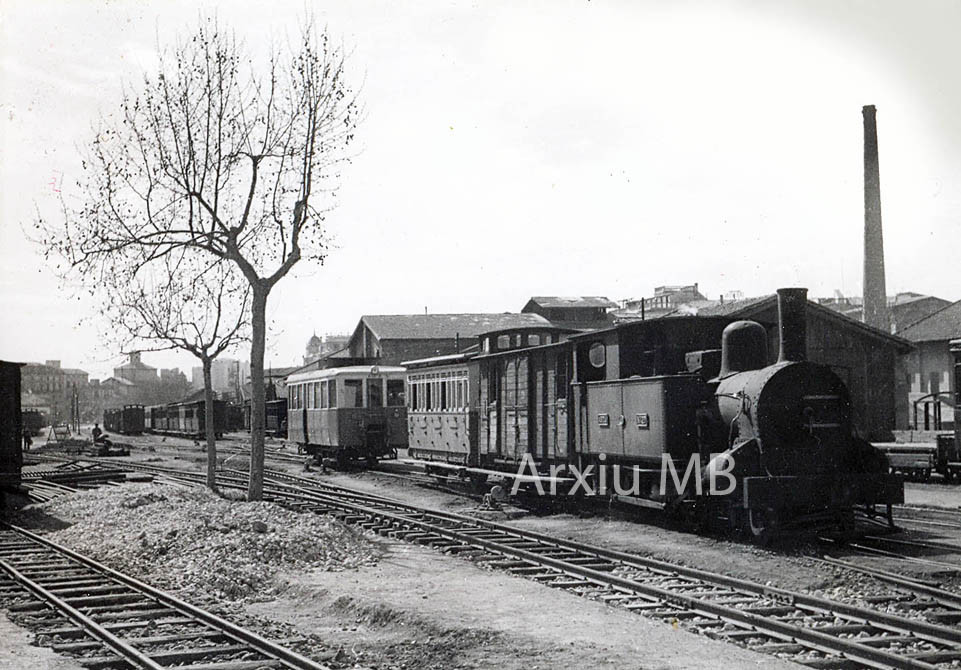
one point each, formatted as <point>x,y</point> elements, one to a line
<point>945,324</point>
<point>750,307</point>
<point>572,301</point>
<point>445,326</point>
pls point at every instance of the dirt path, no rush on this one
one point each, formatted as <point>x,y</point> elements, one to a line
<point>419,609</point>
<point>17,652</point>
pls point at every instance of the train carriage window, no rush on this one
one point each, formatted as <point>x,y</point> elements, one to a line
<point>533,340</point>
<point>395,393</point>
<point>317,394</point>
<point>332,393</point>
<point>309,400</point>
<point>353,395</point>
<point>375,392</point>
<point>503,342</point>
<point>322,395</point>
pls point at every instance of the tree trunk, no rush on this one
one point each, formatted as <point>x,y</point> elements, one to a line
<point>258,398</point>
<point>209,425</point>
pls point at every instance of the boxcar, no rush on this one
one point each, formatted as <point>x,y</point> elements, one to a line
<point>276,417</point>
<point>949,450</point>
<point>126,420</point>
<point>185,419</point>
<point>132,419</point>
<point>355,412</point>
<point>33,421</point>
<point>11,426</point>
<point>111,420</point>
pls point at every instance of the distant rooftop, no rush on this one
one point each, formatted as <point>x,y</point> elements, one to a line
<point>573,301</point>
<point>945,324</point>
<point>445,326</point>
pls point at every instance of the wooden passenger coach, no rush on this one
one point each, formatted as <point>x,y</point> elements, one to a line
<point>442,399</point>
<point>355,412</point>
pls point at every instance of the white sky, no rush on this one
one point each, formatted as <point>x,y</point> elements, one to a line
<point>513,149</point>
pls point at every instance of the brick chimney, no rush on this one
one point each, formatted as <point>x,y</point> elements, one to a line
<point>875,293</point>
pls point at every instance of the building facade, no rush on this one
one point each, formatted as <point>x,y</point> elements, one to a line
<point>929,369</point>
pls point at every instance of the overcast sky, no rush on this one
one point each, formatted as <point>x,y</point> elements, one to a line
<point>513,149</point>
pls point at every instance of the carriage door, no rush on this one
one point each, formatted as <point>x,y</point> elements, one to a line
<point>493,402</point>
<point>516,389</point>
<point>557,412</point>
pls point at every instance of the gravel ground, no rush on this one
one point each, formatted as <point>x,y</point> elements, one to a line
<point>194,542</point>
<point>414,608</point>
<point>418,609</point>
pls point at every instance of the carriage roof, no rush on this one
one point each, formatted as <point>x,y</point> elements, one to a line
<point>362,371</point>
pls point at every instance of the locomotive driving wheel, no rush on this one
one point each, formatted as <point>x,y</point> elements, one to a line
<point>763,524</point>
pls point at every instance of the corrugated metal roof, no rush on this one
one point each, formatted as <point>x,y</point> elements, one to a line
<point>945,324</point>
<point>445,326</point>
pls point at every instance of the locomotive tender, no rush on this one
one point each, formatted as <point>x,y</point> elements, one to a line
<point>653,413</point>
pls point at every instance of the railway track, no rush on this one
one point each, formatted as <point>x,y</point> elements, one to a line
<point>817,632</point>
<point>109,620</point>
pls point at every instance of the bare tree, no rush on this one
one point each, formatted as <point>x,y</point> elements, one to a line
<point>183,302</point>
<point>211,153</point>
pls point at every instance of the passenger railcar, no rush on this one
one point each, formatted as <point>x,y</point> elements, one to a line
<point>348,413</point>
<point>11,426</point>
<point>653,413</point>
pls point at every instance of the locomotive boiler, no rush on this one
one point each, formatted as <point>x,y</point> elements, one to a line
<point>787,433</point>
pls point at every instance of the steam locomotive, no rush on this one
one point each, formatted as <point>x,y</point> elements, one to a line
<point>652,413</point>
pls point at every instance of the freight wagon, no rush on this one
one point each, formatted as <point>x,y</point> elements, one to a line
<point>185,419</point>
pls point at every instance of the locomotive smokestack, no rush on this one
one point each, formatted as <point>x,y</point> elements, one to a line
<point>875,307</point>
<point>792,324</point>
